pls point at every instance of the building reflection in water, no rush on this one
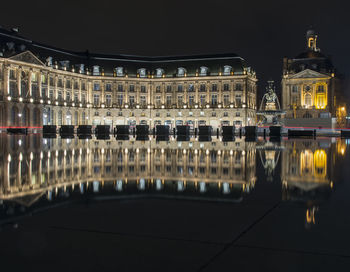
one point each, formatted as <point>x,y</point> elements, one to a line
<point>38,171</point>
<point>307,173</point>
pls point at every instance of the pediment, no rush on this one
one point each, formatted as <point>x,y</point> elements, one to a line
<point>308,73</point>
<point>28,57</point>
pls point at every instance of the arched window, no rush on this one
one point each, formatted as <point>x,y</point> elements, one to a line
<point>119,71</point>
<point>227,70</point>
<point>159,72</point>
<point>181,72</point>
<point>308,100</point>
<point>81,68</point>
<point>142,72</point>
<point>203,71</point>
<point>95,70</point>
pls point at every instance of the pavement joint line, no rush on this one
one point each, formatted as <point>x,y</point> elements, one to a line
<point>228,245</point>
<point>292,251</point>
<point>138,235</point>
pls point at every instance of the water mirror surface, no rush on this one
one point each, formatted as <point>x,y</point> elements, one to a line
<point>199,205</point>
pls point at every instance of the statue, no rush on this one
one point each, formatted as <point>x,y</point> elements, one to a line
<point>270,98</point>
<point>270,108</point>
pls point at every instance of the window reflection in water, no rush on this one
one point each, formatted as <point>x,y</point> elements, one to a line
<point>49,168</point>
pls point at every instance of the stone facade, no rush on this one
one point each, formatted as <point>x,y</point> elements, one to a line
<point>39,91</point>
<point>309,88</point>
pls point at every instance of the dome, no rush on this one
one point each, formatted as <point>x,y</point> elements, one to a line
<point>310,54</point>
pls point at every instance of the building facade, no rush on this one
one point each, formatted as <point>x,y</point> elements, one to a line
<point>310,88</point>
<point>42,85</point>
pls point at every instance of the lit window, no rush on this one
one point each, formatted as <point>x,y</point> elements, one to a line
<point>203,71</point>
<point>108,87</point>
<point>96,86</point>
<point>119,71</point>
<point>108,100</point>
<point>159,72</point>
<point>226,87</point>
<point>95,70</point>
<point>120,99</point>
<point>227,70</point>
<point>181,71</point>
<point>96,99</point>
<point>142,72</point>
<point>226,99</point>
<point>308,100</point>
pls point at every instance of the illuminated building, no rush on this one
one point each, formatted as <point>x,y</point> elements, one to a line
<point>310,88</point>
<point>45,85</point>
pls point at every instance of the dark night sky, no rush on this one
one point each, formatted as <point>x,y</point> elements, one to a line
<point>262,32</point>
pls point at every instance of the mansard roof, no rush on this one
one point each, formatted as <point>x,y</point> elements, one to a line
<point>11,43</point>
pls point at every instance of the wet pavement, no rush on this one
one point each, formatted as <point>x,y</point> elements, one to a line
<point>110,205</point>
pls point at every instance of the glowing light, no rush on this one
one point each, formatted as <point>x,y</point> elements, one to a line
<point>49,102</point>
<point>41,101</point>
<point>20,99</point>
<point>9,98</point>
<point>31,100</point>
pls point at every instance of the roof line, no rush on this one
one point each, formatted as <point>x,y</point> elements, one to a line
<point>126,57</point>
